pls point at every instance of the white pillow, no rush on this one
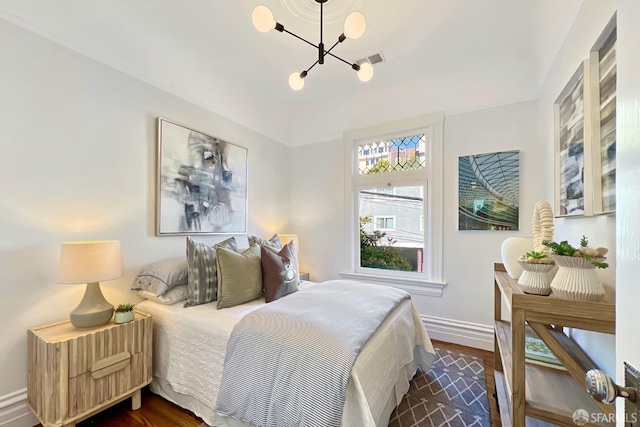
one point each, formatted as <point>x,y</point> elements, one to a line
<point>162,276</point>
<point>172,296</point>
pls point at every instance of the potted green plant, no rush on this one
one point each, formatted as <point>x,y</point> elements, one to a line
<point>124,313</point>
<point>576,277</point>
<point>535,278</point>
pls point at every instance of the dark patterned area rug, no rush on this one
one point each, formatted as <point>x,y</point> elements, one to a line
<point>451,394</point>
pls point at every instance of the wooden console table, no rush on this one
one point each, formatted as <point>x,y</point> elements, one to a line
<point>533,395</point>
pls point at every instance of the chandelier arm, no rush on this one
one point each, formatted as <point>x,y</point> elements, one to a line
<point>328,52</point>
<point>309,69</point>
<point>300,38</point>
<point>343,60</point>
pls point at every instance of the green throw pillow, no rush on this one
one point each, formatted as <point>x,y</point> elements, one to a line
<point>239,276</point>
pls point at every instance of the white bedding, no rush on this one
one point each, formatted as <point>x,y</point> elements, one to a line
<point>190,346</point>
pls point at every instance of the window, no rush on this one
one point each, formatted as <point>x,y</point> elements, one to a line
<point>395,215</point>
<point>384,223</point>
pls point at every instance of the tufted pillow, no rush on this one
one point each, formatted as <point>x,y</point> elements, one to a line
<point>202,283</point>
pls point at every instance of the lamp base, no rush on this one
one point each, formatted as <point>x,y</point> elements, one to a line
<point>93,310</point>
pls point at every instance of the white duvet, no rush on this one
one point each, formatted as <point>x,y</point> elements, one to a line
<point>190,346</point>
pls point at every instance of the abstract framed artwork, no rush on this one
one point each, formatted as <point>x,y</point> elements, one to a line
<point>489,191</point>
<point>603,66</point>
<point>201,183</point>
<point>573,169</point>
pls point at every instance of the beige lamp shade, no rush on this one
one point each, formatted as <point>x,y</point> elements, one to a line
<point>90,261</point>
<point>286,238</point>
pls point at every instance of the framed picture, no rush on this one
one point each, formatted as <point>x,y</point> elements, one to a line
<point>573,183</point>
<point>489,191</point>
<point>201,184</point>
<point>603,70</point>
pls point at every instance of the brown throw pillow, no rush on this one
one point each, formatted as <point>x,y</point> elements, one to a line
<point>279,276</point>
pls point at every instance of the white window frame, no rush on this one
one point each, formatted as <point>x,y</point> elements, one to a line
<point>430,282</point>
<point>392,217</point>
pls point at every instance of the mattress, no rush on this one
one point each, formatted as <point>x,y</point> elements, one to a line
<point>190,346</point>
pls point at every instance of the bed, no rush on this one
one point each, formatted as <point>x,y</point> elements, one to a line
<point>190,347</point>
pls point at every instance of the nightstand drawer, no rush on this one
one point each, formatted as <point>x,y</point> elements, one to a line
<point>87,350</point>
<point>87,392</point>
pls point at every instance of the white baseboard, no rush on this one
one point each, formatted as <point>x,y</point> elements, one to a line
<point>469,334</point>
<point>14,411</point>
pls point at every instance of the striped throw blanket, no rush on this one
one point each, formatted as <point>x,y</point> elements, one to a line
<point>288,363</point>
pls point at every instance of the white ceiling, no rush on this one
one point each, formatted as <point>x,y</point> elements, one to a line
<point>441,55</point>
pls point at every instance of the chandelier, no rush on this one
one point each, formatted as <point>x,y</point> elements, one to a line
<point>354,26</point>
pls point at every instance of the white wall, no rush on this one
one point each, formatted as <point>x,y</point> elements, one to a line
<point>317,208</point>
<point>318,216</point>
<point>77,161</point>
<point>599,229</point>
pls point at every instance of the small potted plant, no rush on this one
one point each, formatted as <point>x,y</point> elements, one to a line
<point>124,313</point>
<point>535,278</point>
<point>576,277</point>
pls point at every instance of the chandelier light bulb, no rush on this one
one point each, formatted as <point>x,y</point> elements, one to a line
<point>365,73</point>
<point>354,25</point>
<point>295,81</point>
<point>262,19</point>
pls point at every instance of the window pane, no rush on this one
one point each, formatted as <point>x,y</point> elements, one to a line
<point>391,235</point>
<point>392,155</point>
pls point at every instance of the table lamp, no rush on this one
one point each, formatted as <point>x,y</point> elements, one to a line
<point>286,238</point>
<point>90,262</point>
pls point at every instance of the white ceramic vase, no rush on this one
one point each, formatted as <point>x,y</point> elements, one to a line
<point>576,279</point>
<point>535,278</point>
<point>511,250</point>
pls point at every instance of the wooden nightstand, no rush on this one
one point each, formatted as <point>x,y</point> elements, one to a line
<point>75,373</point>
<point>304,276</point>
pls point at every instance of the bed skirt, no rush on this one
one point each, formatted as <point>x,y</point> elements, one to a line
<point>162,388</point>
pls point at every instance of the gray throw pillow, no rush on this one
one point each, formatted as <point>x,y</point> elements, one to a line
<point>173,295</point>
<point>202,283</point>
<point>274,242</point>
<point>161,276</point>
<point>239,276</point>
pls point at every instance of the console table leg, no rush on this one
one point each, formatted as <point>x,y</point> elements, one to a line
<point>517,353</point>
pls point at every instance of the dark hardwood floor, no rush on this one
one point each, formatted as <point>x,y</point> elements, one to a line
<point>158,412</point>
